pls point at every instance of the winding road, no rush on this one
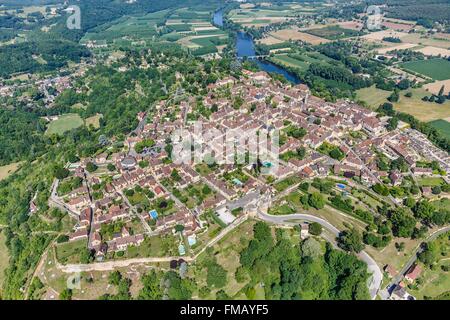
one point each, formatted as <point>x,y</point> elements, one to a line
<point>377,275</point>
<point>414,255</point>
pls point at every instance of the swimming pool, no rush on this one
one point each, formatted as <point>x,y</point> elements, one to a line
<point>341,186</point>
<point>237,182</point>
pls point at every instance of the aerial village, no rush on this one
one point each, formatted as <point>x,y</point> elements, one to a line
<point>150,195</point>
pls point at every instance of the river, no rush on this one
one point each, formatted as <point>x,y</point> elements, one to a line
<point>245,47</point>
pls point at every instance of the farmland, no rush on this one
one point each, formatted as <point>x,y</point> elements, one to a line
<point>264,15</point>
<point>296,35</point>
<point>436,86</point>
<point>438,69</point>
<point>424,111</point>
<point>300,60</point>
<point>132,27</point>
<point>333,32</point>
<point>194,31</point>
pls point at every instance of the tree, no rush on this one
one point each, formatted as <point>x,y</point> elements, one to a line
<point>404,84</point>
<point>311,248</point>
<point>175,175</point>
<point>177,288</point>
<point>91,167</point>
<point>73,158</point>
<point>402,223</point>
<point>66,294</point>
<point>337,154</point>
<point>240,275</point>
<point>151,289</point>
<point>424,210</point>
<point>436,190</point>
<point>400,246</point>
<point>216,275</point>
<point>440,99</point>
<point>206,190</point>
<point>301,153</point>
<point>430,253</point>
<point>387,108</point>
<point>315,229</point>
<point>316,200</point>
<point>86,256</point>
<point>392,124</point>
<point>351,240</point>
<point>111,167</point>
<point>409,202</point>
<point>114,278</point>
<point>440,218</point>
<point>381,189</point>
<point>61,173</point>
<point>222,295</point>
<point>394,97</point>
<point>179,228</point>
<point>419,232</point>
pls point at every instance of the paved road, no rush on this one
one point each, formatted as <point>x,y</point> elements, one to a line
<point>54,200</point>
<point>377,275</point>
<point>416,252</point>
<point>111,265</point>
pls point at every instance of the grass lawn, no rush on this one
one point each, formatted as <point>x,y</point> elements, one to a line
<point>94,121</point>
<point>390,255</point>
<point>69,252</point>
<point>65,123</point>
<point>431,181</point>
<point>368,200</point>
<point>442,204</point>
<point>435,281</point>
<point>291,204</point>
<point>157,246</point>
<point>290,62</point>
<point>442,126</point>
<point>6,171</point>
<point>286,183</point>
<point>4,259</point>
<point>227,252</point>
<point>203,169</point>
<point>438,69</point>
<point>372,96</point>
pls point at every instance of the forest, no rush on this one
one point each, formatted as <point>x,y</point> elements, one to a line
<point>303,271</point>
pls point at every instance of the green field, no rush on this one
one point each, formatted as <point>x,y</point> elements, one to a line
<point>431,181</point>
<point>300,60</point>
<point>442,126</point>
<point>424,111</point>
<point>134,27</point>
<point>372,96</point>
<point>438,69</point>
<point>210,41</point>
<point>290,62</point>
<point>65,123</point>
<point>332,32</point>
